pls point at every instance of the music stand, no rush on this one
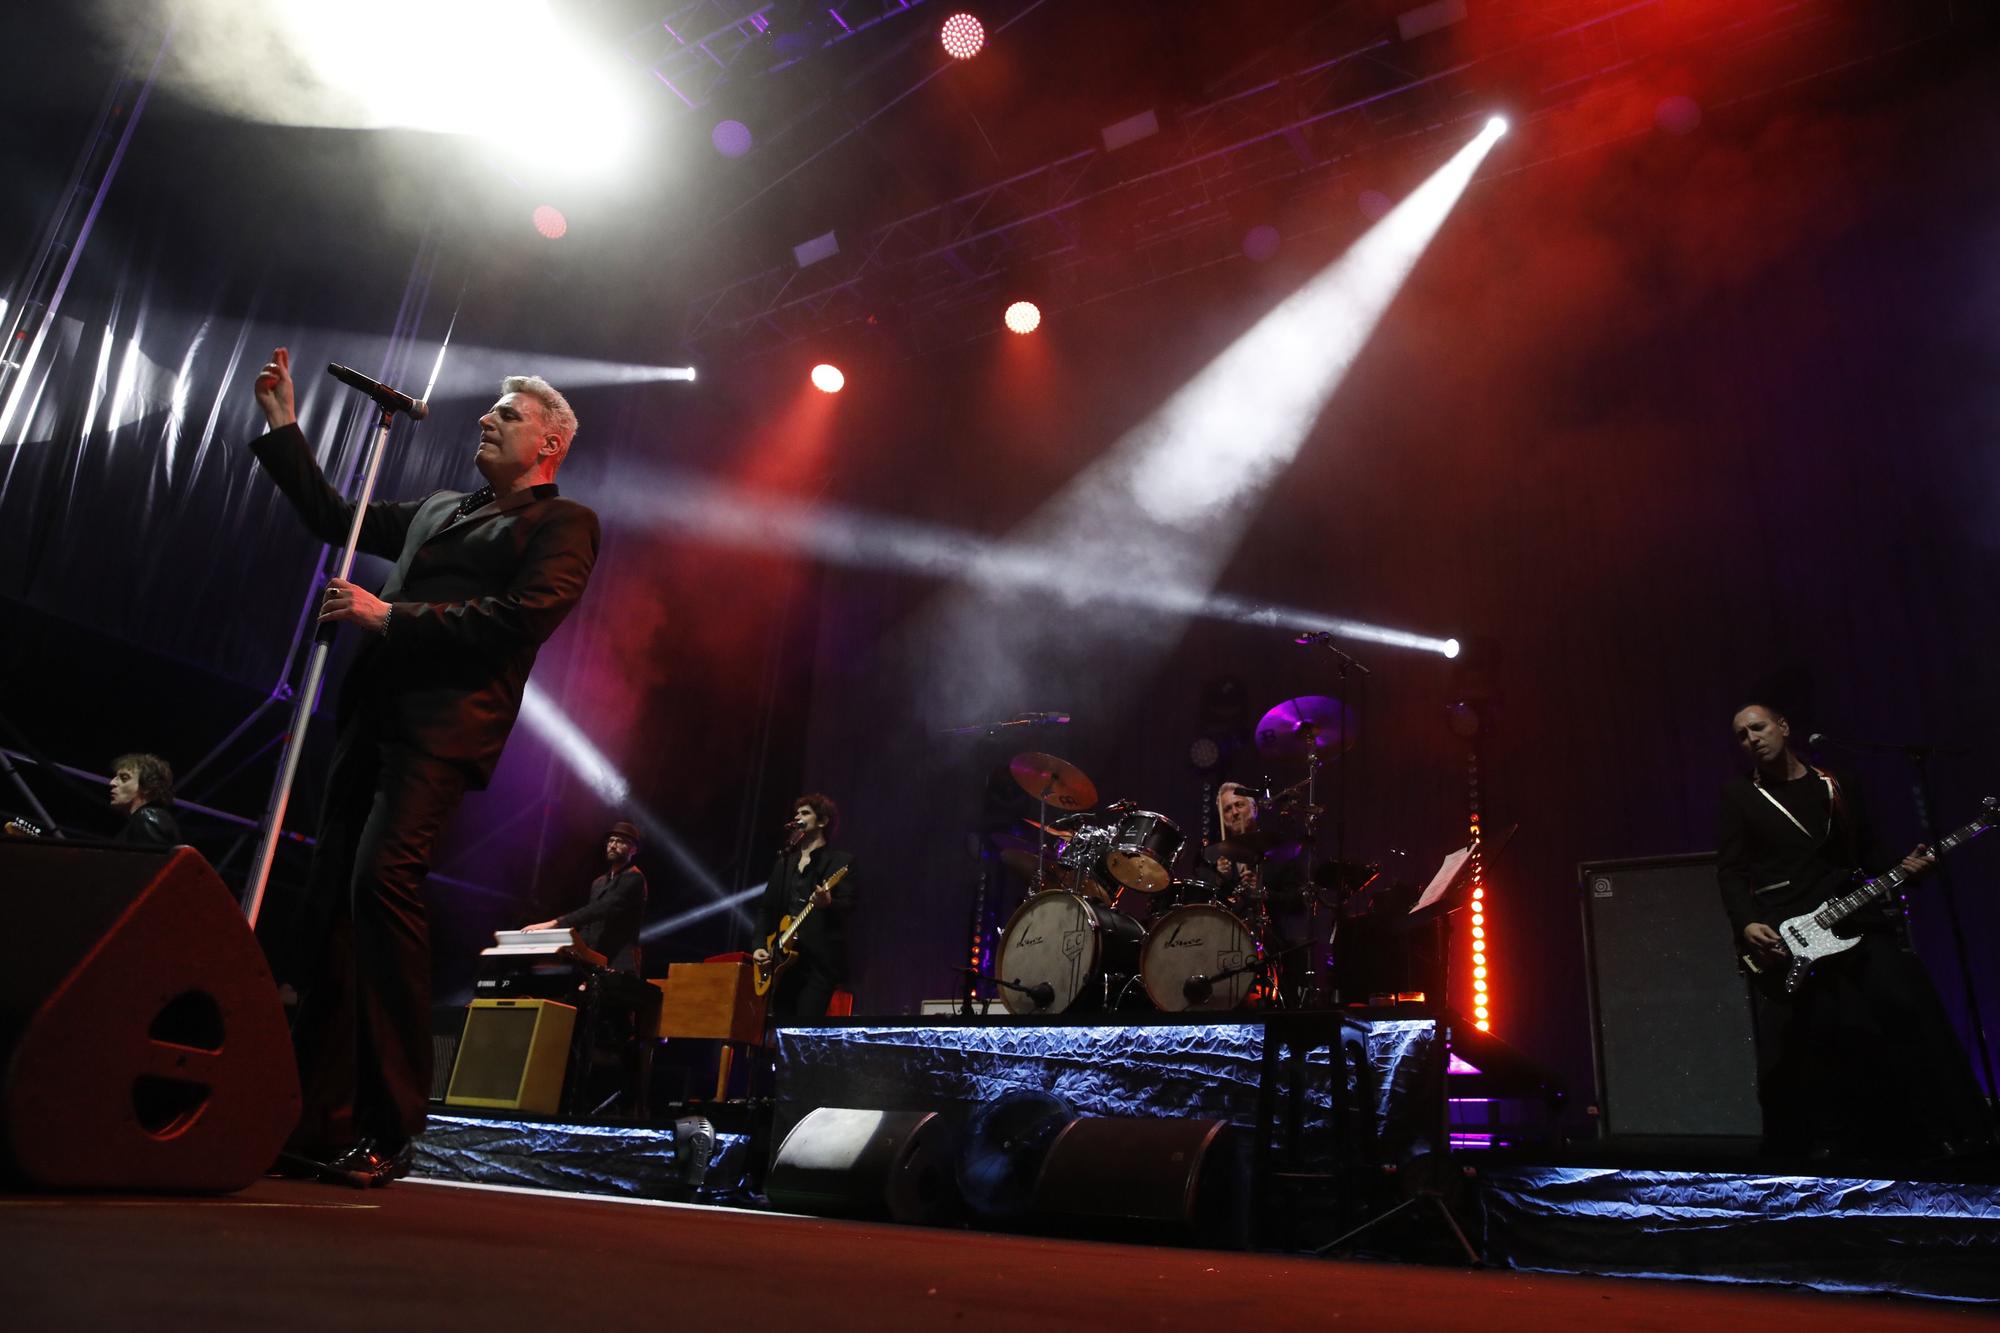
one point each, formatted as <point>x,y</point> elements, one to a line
<point>1449,891</point>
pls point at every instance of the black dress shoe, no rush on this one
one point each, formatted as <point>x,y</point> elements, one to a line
<point>369,1165</point>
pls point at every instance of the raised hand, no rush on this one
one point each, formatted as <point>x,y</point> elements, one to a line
<point>274,390</point>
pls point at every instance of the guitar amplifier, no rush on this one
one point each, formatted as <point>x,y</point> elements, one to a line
<point>513,1056</point>
<point>1673,1031</point>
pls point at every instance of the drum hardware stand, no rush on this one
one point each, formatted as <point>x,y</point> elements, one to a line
<point>1344,666</point>
<point>1428,1195</point>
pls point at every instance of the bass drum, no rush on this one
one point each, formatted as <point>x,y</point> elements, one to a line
<point>1071,945</point>
<point>1200,957</point>
<point>1143,850</point>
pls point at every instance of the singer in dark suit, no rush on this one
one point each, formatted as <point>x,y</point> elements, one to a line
<point>481,580</point>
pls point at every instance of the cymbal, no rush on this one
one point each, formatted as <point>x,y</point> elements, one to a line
<point>1067,786</point>
<point>1307,723</point>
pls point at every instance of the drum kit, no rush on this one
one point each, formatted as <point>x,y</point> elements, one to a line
<point>1117,917</point>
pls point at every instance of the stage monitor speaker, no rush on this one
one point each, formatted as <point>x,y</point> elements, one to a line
<point>513,1056</point>
<point>842,1161</point>
<point>1676,1055</point>
<point>144,1044</point>
<point>1184,1177</point>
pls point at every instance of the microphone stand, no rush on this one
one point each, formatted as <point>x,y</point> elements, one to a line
<point>1922,795</point>
<point>273,826</point>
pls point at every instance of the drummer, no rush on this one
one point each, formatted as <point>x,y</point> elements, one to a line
<point>1257,867</point>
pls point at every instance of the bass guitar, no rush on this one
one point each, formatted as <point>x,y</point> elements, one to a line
<point>1811,936</point>
<point>782,946</point>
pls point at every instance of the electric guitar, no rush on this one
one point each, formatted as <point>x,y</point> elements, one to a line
<point>1810,936</point>
<point>780,946</point>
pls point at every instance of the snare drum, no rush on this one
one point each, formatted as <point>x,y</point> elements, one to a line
<point>1142,852</point>
<point>1079,949</point>
<point>1200,957</point>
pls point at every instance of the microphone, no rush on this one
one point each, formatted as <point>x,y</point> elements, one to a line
<point>386,398</point>
<point>1308,638</point>
<point>1197,988</point>
<point>1042,993</point>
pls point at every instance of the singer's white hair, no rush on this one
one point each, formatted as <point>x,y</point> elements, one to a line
<point>557,414</point>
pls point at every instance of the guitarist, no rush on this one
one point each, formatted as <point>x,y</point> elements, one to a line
<point>799,877</point>
<point>1862,1060</point>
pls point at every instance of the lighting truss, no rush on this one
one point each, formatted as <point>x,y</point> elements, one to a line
<point>937,272</point>
<point>699,46</point>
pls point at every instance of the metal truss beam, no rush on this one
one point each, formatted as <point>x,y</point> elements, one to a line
<point>699,46</point>
<point>1094,224</point>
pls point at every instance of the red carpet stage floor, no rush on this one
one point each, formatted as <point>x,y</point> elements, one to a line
<point>425,1255</point>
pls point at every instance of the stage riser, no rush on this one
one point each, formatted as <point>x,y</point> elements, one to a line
<point>1914,1238</point>
<point>623,1162</point>
<point>1200,1071</point>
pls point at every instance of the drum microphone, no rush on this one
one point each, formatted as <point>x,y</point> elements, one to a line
<point>1042,994</point>
<point>386,398</point>
<point>1197,988</point>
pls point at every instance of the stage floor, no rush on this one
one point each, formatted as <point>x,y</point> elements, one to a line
<point>425,1255</point>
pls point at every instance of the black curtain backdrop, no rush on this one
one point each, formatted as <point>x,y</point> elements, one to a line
<point>1672,423</point>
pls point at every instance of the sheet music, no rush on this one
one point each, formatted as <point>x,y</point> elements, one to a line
<point>1446,875</point>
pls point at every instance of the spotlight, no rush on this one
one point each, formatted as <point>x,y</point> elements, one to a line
<point>1496,126</point>
<point>827,378</point>
<point>963,36</point>
<point>550,222</point>
<point>1451,647</point>
<point>730,137</point>
<point>1024,317</point>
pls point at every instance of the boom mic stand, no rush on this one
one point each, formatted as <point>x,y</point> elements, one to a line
<point>273,826</point>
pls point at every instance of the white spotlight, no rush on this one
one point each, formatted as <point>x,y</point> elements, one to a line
<point>1496,126</point>
<point>1451,647</point>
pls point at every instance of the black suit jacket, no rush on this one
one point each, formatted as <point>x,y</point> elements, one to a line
<point>611,917</point>
<point>473,602</point>
<point>1769,871</point>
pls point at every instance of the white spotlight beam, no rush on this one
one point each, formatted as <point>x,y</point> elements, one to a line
<point>735,902</point>
<point>541,716</point>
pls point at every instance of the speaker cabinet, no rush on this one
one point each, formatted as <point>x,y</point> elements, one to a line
<point>844,1162</point>
<point>1181,1176</point>
<point>513,1056</point>
<point>1676,1053</point>
<point>144,1044</point>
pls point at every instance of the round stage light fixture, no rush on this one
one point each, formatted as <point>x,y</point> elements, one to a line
<point>1496,126</point>
<point>827,378</point>
<point>730,137</point>
<point>963,36</point>
<point>1023,317</point>
<point>550,222</point>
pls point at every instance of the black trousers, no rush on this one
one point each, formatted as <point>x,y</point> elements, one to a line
<point>362,1035</point>
<point>804,991</point>
<point>1862,1061</point>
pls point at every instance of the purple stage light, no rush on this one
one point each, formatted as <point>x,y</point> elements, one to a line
<point>1261,242</point>
<point>1678,114</point>
<point>731,138</point>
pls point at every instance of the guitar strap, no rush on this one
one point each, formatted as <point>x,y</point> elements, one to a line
<point>1836,802</point>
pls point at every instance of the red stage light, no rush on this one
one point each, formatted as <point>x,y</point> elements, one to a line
<point>962,36</point>
<point>1024,317</point>
<point>827,378</point>
<point>550,222</point>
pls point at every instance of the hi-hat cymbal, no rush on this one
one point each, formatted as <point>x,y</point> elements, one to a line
<point>1065,785</point>
<point>1307,723</point>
